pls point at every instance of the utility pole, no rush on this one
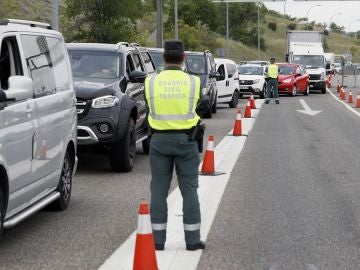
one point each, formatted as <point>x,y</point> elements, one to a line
<point>159,24</point>
<point>55,14</point>
<point>176,19</point>
<point>258,28</point>
<point>227,30</point>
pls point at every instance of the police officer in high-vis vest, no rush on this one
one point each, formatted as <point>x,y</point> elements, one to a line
<point>272,81</point>
<point>172,97</point>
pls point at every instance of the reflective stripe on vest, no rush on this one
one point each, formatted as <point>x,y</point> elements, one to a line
<point>164,117</point>
<point>273,71</point>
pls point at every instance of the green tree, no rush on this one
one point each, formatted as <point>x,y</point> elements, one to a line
<point>7,8</point>
<point>107,21</point>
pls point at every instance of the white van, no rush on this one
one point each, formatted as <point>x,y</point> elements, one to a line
<point>37,121</point>
<point>227,82</point>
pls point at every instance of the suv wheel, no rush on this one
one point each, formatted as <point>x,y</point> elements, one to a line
<point>323,91</point>
<point>294,91</point>
<point>234,100</point>
<point>2,213</point>
<point>65,184</point>
<point>146,146</point>
<point>122,153</point>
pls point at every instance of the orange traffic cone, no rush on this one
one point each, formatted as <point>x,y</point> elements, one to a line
<point>350,100</point>
<point>247,113</point>
<point>330,78</point>
<point>237,131</point>
<point>338,87</point>
<point>357,101</point>
<point>208,165</point>
<point>145,257</point>
<point>343,94</point>
<point>252,102</point>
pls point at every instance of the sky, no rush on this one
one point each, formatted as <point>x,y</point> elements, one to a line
<point>350,11</point>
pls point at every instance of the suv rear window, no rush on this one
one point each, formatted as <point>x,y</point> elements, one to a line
<point>196,64</point>
<point>95,64</point>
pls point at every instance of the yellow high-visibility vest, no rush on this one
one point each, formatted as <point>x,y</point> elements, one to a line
<point>172,97</point>
<point>273,71</point>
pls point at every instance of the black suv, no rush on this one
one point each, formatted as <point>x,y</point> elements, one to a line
<point>109,85</point>
<point>202,64</point>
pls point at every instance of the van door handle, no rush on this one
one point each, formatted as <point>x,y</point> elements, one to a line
<point>227,83</point>
<point>28,109</point>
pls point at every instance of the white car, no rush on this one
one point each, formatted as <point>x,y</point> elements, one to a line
<point>227,82</point>
<point>252,80</point>
<point>37,121</point>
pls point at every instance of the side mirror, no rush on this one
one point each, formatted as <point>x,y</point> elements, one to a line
<point>297,74</point>
<point>215,75</point>
<point>20,88</point>
<point>328,66</point>
<point>137,76</point>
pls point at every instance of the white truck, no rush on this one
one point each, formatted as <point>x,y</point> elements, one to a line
<point>305,48</point>
<point>330,59</point>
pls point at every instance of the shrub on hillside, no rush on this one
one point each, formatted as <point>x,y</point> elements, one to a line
<point>291,26</point>
<point>272,26</point>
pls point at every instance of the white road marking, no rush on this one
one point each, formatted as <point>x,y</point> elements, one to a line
<point>345,104</point>
<point>307,110</point>
<point>211,189</point>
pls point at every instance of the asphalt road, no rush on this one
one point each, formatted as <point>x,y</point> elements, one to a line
<point>291,203</point>
<point>101,215</point>
<point>293,200</point>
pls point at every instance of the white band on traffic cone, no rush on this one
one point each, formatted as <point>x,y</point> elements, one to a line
<point>210,146</point>
<point>144,224</point>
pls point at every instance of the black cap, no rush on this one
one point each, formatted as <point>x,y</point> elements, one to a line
<point>174,47</point>
<point>272,58</point>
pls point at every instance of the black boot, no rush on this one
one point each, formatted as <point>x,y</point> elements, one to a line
<point>200,245</point>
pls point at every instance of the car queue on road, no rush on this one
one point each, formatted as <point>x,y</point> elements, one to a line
<point>110,113</point>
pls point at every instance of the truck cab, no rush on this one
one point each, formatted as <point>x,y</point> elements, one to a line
<point>305,48</point>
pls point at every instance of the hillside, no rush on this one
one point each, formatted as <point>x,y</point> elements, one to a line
<point>274,40</point>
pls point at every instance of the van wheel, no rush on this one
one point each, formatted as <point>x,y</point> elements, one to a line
<point>122,153</point>
<point>2,213</point>
<point>234,100</point>
<point>65,184</point>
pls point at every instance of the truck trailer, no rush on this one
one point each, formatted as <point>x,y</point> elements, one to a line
<point>305,48</point>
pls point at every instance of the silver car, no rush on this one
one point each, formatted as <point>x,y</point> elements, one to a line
<point>37,121</point>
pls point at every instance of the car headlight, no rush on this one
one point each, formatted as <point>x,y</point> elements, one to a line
<point>288,80</point>
<point>322,76</point>
<point>256,81</point>
<point>104,102</point>
<point>204,91</point>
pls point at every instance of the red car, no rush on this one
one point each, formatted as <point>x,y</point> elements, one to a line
<point>293,79</point>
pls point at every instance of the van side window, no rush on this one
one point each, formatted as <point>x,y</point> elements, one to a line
<point>46,63</point>
<point>221,70</point>
<point>10,63</point>
<point>231,70</point>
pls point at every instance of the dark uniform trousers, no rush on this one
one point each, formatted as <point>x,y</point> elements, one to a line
<point>169,150</point>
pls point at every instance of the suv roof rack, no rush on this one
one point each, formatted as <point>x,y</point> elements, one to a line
<point>122,44</point>
<point>134,44</point>
<point>24,22</point>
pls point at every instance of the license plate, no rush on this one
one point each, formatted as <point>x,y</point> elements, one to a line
<point>311,86</point>
<point>244,87</point>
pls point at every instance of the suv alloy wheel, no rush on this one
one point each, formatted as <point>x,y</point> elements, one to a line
<point>122,153</point>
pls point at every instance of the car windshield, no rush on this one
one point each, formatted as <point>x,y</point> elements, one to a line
<point>286,70</point>
<point>310,61</point>
<point>251,70</point>
<point>196,64</point>
<point>95,64</point>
